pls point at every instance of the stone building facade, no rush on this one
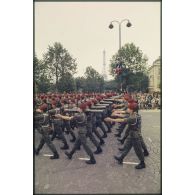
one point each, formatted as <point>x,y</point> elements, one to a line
<point>154,74</point>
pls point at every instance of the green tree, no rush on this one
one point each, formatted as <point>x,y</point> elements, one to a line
<point>111,85</point>
<point>41,80</point>
<point>66,83</point>
<point>94,81</point>
<point>80,83</point>
<point>59,63</point>
<point>133,66</point>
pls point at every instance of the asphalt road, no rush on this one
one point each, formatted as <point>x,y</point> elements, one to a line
<point>64,176</point>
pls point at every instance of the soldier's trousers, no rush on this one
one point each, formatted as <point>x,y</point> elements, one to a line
<point>66,125</point>
<point>58,131</point>
<point>136,144</point>
<point>81,140</point>
<point>91,136</point>
<point>101,126</point>
<point>95,131</point>
<point>46,139</point>
<point>107,125</point>
<point>121,127</point>
<point>143,145</point>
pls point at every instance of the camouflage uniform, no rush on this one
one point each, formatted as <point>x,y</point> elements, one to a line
<point>42,126</point>
<point>81,120</point>
<point>132,139</point>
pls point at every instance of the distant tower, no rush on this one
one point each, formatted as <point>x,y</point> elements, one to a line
<point>104,66</point>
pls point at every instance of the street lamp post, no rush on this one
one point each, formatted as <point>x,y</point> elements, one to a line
<point>119,23</point>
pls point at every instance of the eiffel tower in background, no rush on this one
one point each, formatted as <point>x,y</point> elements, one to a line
<point>104,66</point>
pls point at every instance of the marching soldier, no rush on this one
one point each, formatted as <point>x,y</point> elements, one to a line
<point>41,122</point>
<point>81,120</point>
<point>133,137</point>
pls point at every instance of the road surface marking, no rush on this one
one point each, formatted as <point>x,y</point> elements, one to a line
<point>149,139</point>
<point>47,154</point>
<point>130,163</point>
<point>46,186</point>
<point>156,126</point>
<point>84,159</point>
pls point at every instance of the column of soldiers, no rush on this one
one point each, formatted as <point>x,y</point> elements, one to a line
<point>56,115</point>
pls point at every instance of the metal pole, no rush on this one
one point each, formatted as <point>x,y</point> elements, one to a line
<point>119,35</point>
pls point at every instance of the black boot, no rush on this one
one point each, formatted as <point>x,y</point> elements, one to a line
<point>37,152</point>
<point>117,135</point>
<point>67,132</point>
<point>79,148</point>
<point>73,139</point>
<point>146,153</point>
<point>91,161</point>
<point>69,155</point>
<point>58,137</point>
<point>99,150</point>
<point>141,165</point>
<point>102,142</point>
<point>55,156</point>
<point>65,147</point>
<point>104,136</point>
<point>121,149</point>
<point>119,159</point>
<point>121,140</point>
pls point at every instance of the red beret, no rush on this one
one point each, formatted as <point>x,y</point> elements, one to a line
<point>43,107</point>
<point>133,106</point>
<point>89,104</point>
<point>83,106</point>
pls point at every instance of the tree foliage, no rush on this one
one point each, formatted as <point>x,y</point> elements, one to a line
<point>94,81</point>
<point>133,63</point>
<point>66,83</point>
<point>60,63</point>
<point>41,79</point>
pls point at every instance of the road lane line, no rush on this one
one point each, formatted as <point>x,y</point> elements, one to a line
<point>149,139</point>
<point>83,158</point>
<point>130,163</point>
<point>47,154</point>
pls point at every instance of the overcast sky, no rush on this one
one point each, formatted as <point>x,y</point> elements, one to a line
<point>82,28</point>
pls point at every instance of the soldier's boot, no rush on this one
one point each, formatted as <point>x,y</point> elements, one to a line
<point>117,134</point>
<point>119,159</point>
<point>37,151</point>
<point>67,132</point>
<point>104,136</point>
<point>55,156</point>
<point>99,150</point>
<point>79,148</point>
<point>121,149</point>
<point>52,138</point>
<point>58,137</point>
<point>73,137</point>
<point>146,153</point>
<point>141,165</point>
<point>121,140</point>
<point>91,161</point>
<point>65,147</point>
<point>69,155</point>
<point>102,142</point>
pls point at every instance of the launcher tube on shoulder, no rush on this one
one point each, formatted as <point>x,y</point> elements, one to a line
<point>94,111</point>
<point>73,110</point>
<point>106,105</point>
<point>106,102</point>
<point>52,112</point>
<point>98,107</point>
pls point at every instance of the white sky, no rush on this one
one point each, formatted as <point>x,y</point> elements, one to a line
<point>82,28</point>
